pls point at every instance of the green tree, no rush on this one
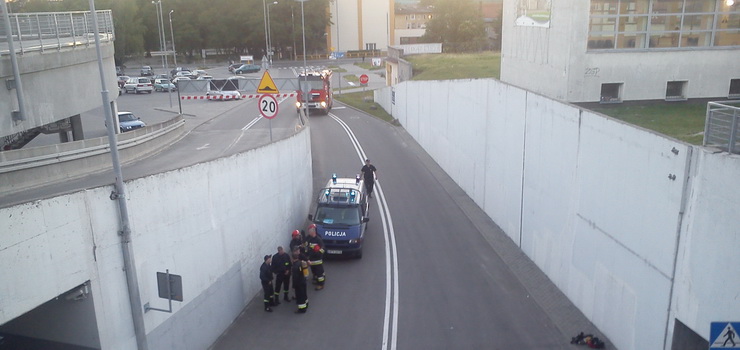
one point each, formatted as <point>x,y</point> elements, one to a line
<point>457,24</point>
<point>234,26</point>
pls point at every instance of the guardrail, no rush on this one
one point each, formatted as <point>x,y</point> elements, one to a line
<point>722,126</point>
<point>39,31</point>
<point>37,166</point>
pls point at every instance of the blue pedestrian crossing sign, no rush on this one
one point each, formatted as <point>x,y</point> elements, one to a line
<point>723,336</point>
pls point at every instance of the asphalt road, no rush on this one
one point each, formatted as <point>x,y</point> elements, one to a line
<point>214,129</point>
<point>436,273</point>
<point>428,279</point>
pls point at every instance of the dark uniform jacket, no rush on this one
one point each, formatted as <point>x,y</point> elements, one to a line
<point>280,263</point>
<point>298,278</point>
<point>311,242</point>
<point>265,273</point>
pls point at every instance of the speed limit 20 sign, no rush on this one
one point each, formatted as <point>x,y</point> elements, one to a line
<point>268,106</point>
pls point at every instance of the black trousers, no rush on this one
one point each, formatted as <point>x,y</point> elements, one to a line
<point>268,292</point>
<point>369,187</point>
<point>301,297</point>
<point>282,280</point>
<point>318,273</point>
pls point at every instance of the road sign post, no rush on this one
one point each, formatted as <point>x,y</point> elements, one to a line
<point>363,81</point>
<point>268,106</point>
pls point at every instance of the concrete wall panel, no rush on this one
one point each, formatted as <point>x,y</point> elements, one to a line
<point>504,155</point>
<point>47,103</point>
<point>597,204</point>
<point>39,239</point>
<point>210,223</point>
<point>706,287</point>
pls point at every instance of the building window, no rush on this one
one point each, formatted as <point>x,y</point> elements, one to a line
<point>370,46</point>
<point>734,89</point>
<point>611,92</point>
<point>676,91</point>
<point>663,24</point>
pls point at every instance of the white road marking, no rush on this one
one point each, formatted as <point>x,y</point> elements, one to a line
<point>390,319</point>
<point>203,147</point>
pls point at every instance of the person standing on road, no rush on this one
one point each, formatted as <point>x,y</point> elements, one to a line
<point>266,279</point>
<point>298,273</point>
<point>297,242</point>
<point>281,269</point>
<point>315,246</point>
<point>369,175</point>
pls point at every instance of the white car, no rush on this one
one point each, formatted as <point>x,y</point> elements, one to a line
<point>137,85</point>
<point>224,95</point>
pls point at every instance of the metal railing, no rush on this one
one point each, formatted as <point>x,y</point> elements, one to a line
<point>722,126</point>
<point>55,30</point>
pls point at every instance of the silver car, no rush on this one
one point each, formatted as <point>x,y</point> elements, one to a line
<point>138,85</point>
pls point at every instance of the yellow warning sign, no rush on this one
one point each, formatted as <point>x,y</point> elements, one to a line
<point>266,85</point>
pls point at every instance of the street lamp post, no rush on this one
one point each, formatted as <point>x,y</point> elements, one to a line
<point>172,35</point>
<point>264,17</point>
<point>157,5</point>
<point>269,33</point>
<point>305,70</point>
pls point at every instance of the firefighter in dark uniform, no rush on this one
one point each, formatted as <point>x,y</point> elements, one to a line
<point>315,248</point>
<point>298,272</point>
<point>281,269</point>
<point>297,242</point>
<point>266,279</point>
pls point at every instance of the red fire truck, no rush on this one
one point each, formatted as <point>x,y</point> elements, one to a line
<point>317,84</point>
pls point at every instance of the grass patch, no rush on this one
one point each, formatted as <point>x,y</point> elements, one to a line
<point>680,120</point>
<point>364,102</point>
<point>351,77</point>
<point>456,66</point>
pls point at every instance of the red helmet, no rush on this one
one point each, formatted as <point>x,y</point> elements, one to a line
<point>316,248</point>
<point>311,226</point>
<point>296,233</point>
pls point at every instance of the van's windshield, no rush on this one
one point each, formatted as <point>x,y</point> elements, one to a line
<point>338,215</point>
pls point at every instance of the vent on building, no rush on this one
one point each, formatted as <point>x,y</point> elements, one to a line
<point>734,89</point>
<point>611,93</point>
<point>676,90</point>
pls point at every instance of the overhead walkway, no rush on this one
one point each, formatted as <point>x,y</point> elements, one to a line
<point>58,68</point>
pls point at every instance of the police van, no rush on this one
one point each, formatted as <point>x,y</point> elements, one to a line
<point>341,216</point>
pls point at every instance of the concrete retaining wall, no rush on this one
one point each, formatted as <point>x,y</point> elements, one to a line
<point>210,223</point>
<point>76,88</point>
<point>36,166</point>
<point>597,204</point>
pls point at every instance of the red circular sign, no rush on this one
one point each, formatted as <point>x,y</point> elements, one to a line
<point>364,79</point>
<point>268,106</point>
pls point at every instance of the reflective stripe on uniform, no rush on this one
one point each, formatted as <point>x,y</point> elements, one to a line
<point>316,262</point>
<point>302,306</point>
<point>321,278</point>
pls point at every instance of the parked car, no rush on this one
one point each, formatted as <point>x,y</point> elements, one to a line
<point>205,77</point>
<point>180,78</point>
<point>185,73</point>
<point>224,95</point>
<point>247,68</point>
<point>127,121</point>
<point>234,66</point>
<point>174,71</point>
<point>164,85</point>
<point>198,72</point>
<point>146,71</point>
<point>160,76</point>
<point>122,79</point>
<point>137,85</point>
